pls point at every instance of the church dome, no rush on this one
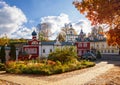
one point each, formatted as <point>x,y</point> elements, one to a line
<point>34,33</point>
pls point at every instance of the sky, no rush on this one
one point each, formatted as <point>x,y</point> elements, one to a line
<point>18,18</point>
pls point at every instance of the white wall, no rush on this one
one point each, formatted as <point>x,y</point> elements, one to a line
<point>47,49</point>
<point>104,48</point>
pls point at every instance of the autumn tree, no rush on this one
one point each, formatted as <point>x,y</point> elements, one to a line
<point>113,37</point>
<point>44,31</point>
<point>41,36</point>
<point>100,11</point>
<point>4,40</point>
<point>61,37</point>
<point>105,12</point>
<point>12,53</point>
<point>2,54</point>
<point>65,28</point>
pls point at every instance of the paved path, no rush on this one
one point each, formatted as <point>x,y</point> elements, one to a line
<point>79,77</point>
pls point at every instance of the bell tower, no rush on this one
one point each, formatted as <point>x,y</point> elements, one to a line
<point>81,35</point>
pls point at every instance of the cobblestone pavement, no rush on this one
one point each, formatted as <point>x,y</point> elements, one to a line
<point>111,77</point>
<point>79,77</point>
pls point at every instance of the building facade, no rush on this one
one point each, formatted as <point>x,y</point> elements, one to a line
<point>47,47</point>
<point>30,50</point>
<point>71,34</point>
<point>95,41</point>
<point>82,44</point>
<point>98,42</point>
<point>37,49</point>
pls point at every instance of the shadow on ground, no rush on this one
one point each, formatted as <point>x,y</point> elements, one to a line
<point>110,59</point>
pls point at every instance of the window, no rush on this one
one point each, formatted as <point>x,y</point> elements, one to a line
<point>91,38</point>
<point>43,50</point>
<point>103,46</point>
<point>35,50</point>
<point>34,42</point>
<point>80,45</point>
<point>50,50</point>
<point>79,52</point>
<point>70,32</point>
<point>105,51</point>
<point>85,44</point>
<point>101,51</point>
<point>26,49</point>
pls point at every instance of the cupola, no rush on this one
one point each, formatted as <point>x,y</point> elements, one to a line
<point>34,34</point>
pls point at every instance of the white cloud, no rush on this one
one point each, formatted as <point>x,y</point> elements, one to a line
<point>11,18</point>
<point>57,22</point>
<point>82,24</point>
<point>23,32</point>
<point>12,21</point>
<point>2,4</point>
<point>31,21</point>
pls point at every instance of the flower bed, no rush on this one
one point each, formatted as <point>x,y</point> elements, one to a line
<point>47,67</point>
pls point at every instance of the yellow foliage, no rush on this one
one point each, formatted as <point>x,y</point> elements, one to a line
<point>103,12</point>
<point>4,40</point>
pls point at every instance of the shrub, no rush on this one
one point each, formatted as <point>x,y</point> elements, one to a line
<point>31,70</point>
<point>49,62</point>
<point>99,55</point>
<point>65,68</point>
<point>15,67</point>
<point>2,67</point>
<point>87,63</point>
<point>57,69</point>
<point>63,55</point>
<point>12,53</point>
<point>2,54</point>
<point>28,67</point>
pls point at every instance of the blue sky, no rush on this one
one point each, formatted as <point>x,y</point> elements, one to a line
<point>34,12</point>
<point>35,9</point>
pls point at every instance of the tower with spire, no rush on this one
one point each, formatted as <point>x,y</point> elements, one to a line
<point>83,45</point>
<point>81,36</point>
